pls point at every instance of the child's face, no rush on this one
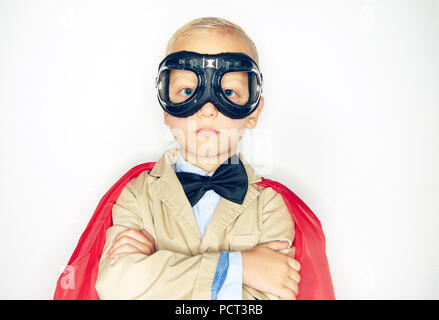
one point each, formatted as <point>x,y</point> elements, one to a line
<point>227,131</point>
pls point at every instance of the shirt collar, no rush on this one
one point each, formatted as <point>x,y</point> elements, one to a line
<point>182,165</point>
<point>165,165</point>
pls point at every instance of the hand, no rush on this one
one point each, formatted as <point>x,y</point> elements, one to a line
<point>131,241</point>
<point>267,270</point>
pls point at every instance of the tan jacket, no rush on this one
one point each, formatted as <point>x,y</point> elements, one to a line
<point>184,265</point>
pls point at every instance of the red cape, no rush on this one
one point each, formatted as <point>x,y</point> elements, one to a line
<point>79,277</point>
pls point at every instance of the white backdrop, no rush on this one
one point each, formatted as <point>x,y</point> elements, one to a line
<point>350,124</point>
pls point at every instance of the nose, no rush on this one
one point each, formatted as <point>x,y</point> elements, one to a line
<point>208,110</point>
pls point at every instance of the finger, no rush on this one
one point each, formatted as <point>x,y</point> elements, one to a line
<point>293,251</point>
<point>294,275</point>
<point>292,285</point>
<point>123,250</point>
<point>147,235</point>
<point>146,248</point>
<point>276,245</point>
<point>118,256</point>
<point>133,233</point>
<point>287,294</point>
<point>142,247</point>
<point>124,239</point>
<point>290,253</point>
<point>108,256</point>
<point>293,263</point>
<point>114,251</point>
<point>138,240</point>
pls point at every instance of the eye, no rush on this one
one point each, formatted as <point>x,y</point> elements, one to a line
<point>187,91</point>
<point>229,93</point>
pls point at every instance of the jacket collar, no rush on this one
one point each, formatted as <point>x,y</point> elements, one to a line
<point>170,191</point>
<point>169,158</point>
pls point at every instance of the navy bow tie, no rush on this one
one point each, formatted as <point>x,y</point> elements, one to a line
<point>229,180</point>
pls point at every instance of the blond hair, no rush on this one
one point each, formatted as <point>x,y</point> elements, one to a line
<point>215,23</point>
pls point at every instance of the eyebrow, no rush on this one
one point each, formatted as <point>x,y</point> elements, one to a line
<point>180,76</point>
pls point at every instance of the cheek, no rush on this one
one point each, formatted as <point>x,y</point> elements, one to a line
<point>177,123</point>
<point>178,127</point>
<point>234,128</point>
<point>229,123</point>
<point>238,125</point>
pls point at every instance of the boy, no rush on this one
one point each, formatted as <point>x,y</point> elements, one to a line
<point>186,278</point>
<point>198,226</point>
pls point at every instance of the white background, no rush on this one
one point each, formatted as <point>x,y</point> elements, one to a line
<point>350,124</point>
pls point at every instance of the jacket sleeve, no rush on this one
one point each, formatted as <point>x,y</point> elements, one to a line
<point>162,275</point>
<point>277,224</point>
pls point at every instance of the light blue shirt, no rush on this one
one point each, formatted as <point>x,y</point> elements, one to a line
<point>227,283</point>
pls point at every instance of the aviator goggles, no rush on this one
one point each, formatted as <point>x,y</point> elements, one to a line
<point>187,80</point>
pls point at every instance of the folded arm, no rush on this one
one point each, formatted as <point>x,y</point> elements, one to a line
<point>274,272</point>
<point>280,273</point>
<point>162,275</point>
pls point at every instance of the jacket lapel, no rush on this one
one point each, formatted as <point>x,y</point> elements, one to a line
<point>227,211</point>
<point>170,191</point>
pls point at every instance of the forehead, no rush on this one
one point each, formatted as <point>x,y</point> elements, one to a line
<point>211,42</point>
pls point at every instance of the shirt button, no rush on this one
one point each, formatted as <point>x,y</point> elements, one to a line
<point>209,210</point>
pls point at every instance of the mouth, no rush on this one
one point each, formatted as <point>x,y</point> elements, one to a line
<point>207,131</point>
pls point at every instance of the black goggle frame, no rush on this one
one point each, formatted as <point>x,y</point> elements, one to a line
<point>209,69</point>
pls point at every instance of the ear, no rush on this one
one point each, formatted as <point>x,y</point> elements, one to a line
<point>253,118</point>
<point>165,117</point>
